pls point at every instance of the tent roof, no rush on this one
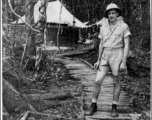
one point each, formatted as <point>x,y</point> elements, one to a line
<point>55,8</point>
<point>53,11</point>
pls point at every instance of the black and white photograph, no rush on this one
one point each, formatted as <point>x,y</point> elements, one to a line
<point>75,59</point>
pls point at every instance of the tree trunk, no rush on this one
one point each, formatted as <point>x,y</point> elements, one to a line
<point>5,114</point>
<point>12,16</point>
<point>31,48</point>
<point>13,101</point>
<point>49,96</point>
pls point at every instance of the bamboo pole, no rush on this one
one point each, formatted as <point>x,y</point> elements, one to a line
<point>58,44</point>
<point>73,25</point>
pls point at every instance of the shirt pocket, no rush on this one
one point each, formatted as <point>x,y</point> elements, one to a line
<point>118,31</point>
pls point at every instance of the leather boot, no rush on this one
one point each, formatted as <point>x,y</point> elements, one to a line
<point>93,109</point>
<point>114,112</point>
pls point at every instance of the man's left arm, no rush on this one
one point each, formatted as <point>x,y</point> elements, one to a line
<point>126,47</point>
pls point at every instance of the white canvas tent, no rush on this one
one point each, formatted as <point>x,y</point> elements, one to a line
<point>53,11</point>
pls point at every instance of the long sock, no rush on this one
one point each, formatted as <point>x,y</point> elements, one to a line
<point>94,100</point>
<point>114,102</point>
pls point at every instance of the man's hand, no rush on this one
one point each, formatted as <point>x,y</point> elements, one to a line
<point>123,66</point>
<point>96,65</point>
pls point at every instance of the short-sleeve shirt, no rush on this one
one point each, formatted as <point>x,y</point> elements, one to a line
<point>114,38</point>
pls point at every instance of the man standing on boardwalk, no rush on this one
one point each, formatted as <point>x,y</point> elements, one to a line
<point>113,52</point>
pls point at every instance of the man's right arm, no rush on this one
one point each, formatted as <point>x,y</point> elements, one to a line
<point>96,65</point>
<point>101,44</point>
<point>100,50</point>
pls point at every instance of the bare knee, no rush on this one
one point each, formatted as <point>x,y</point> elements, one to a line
<point>99,79</point>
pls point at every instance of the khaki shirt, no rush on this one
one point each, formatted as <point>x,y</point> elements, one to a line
<point>114,38</point>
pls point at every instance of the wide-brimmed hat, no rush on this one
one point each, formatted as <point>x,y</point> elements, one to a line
<point>112,6</point>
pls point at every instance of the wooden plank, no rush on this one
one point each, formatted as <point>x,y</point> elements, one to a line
<point>73,67</point>
<point>72,53</point>
<point>88,101</point>
<point>100,96</point>
<point>107,116</point>
<point>90,77</point>
<point>84,78</point>
<point>76,65</point>
<point>87,83</point>
<point>87,76</point>
<point>87,80</point>
<point>107,85</point>
<point>110,98</point>
<point>107,108</point>
<point>102,93</point>
<point>81,73</point>
<point>106,94</point>
<point>87,70</point>
<point>102,89</point>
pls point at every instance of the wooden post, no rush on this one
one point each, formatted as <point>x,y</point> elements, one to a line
<point>5,11</point>
<point>45,36</point>
<point>58,33</point>
<point>79,33</point>
<point>73,25</point>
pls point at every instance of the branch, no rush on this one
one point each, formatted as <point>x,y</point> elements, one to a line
<point>10,68</point>
<point>25,48</point>
<point>21,17</point>
<point>25,115</point>
<point>59,27</point>
<point>43,114</point>
<point>87,63</point>
<point>25,7</point>
<point>25,64</point>
<point>6,17</point>
<point>37,63</point>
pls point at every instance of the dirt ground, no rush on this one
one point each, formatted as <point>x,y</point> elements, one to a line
<point>60,81</point>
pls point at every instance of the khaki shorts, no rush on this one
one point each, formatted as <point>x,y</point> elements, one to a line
<point>111,59</point>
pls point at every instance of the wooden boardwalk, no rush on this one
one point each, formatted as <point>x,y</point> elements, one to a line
<point>82,71</point>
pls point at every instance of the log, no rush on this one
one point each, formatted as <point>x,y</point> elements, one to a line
<point>42,105</point>
<point>49,96</point>
<point>29,114</point>
<point>76,52</point>
<point>12,73</point>
<point>54,104</point>
<point>13,101</point>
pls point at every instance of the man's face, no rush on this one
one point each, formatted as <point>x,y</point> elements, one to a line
<point>112,15</point>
